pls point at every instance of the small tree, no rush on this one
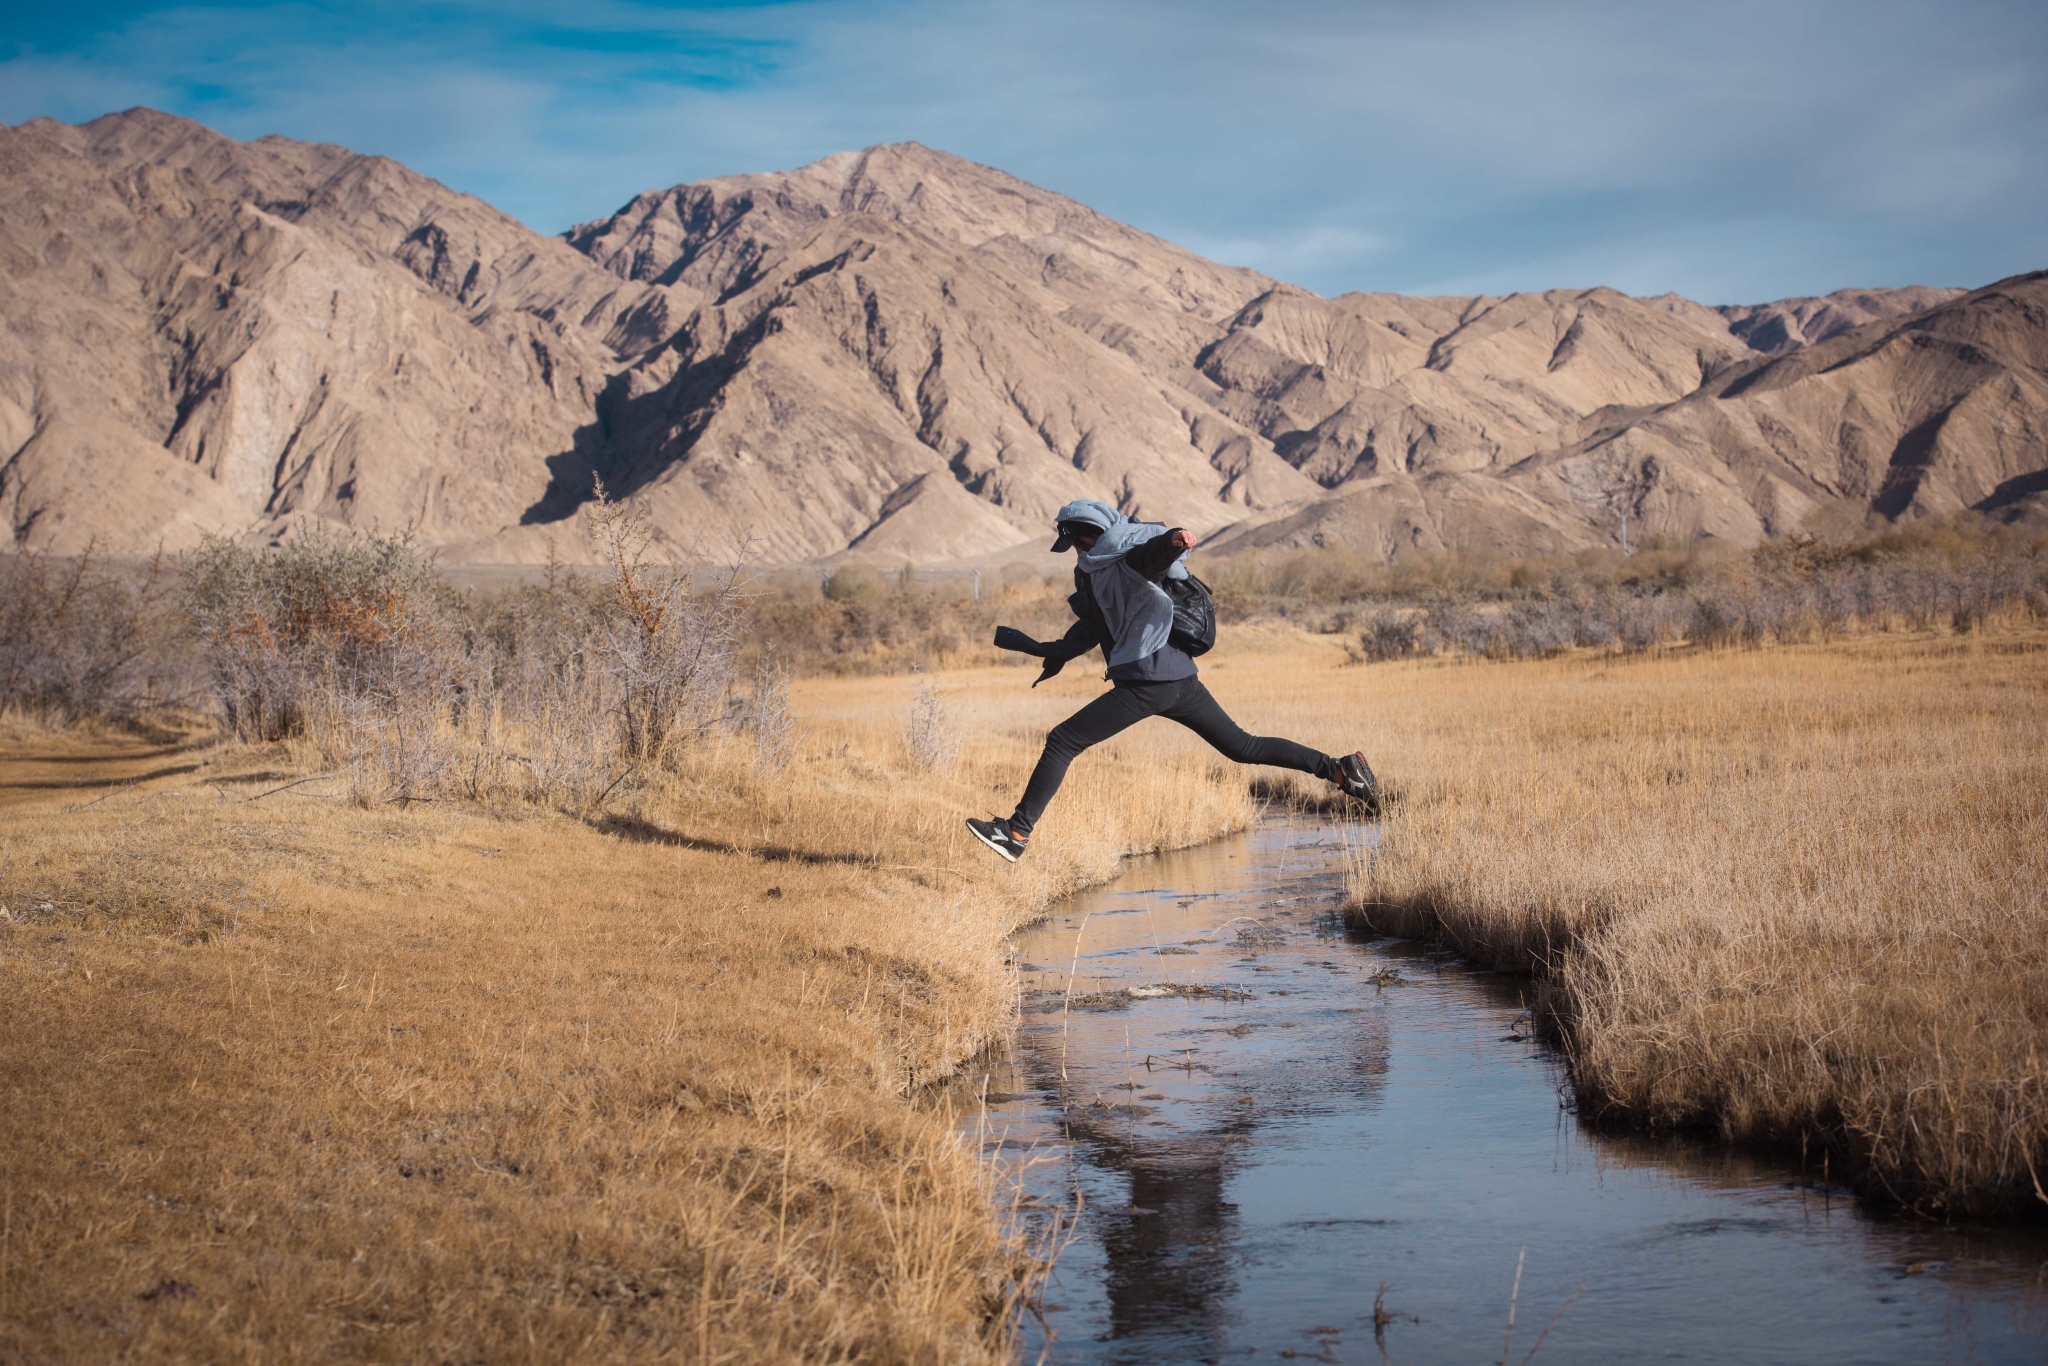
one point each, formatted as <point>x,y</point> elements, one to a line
<point>322,615</point>
<point>670,642</point>
<point>82,638</point>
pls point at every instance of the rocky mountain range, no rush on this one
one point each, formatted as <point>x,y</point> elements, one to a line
<point>900,354</point>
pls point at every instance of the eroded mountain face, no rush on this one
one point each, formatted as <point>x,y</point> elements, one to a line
<point>903,354</point>
<point>197,333</point>
<point>1789,324</point>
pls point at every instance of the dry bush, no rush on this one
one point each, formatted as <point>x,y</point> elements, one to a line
<point>1390,633</point>
<point>852,581</point>
<point>1954,572</point>
<point>82,638</point>
<point>670,641</point>
<point>392,746</point>
<point>1800,894</point>
<point>768,720</point>
<point>862,622</point>
<point>540,719</point>
<point>928,734</point>
<point>323,620</point>
<point>1788,590</point>
<point>555,693</point>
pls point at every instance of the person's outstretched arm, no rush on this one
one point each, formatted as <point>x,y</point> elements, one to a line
<point>1084,635</point>
<point>1010,638</point>
<point>1156,556</point>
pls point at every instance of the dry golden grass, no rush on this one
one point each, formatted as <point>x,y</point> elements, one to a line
<point>287,1079</point>
<point>1800,893</point>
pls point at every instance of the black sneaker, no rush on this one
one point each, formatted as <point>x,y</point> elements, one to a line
<point>1354,775</point>
<point>995,833</point>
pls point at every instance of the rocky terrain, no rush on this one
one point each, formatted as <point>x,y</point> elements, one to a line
<point>1788,324</point>
<point>901,354</point>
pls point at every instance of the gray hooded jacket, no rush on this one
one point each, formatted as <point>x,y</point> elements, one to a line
<point>1136,610</point>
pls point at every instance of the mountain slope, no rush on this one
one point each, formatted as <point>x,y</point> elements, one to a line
<point>903,354</point>
<point>1368,382</point>
<point>1262,377</point>
<point>712,234</point>
<point>865,357</point>
<point>1404,415</point>
<point>1930,413</point>
<point>198,333</point>
<point>1925,413</point>
<point>1788,324</point>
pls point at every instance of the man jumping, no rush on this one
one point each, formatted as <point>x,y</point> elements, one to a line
<point>1122,607</point>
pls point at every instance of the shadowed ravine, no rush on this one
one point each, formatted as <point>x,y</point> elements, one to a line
<point>1282,1120</point>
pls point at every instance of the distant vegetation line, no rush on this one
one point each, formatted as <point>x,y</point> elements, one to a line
<point>346,636</point>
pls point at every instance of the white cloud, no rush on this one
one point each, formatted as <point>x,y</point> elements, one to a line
<point>1747,148</point>
<point>1290,252</point>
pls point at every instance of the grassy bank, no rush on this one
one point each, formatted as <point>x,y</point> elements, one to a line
<point>290,1072</point>
<point>1799,893</point>
<point>286,1077</point>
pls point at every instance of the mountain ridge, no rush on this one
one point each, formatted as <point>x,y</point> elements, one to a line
<point>902,354</point>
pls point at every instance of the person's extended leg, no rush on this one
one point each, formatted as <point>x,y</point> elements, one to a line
<point>1204,715</point>
<point>1116,710</point>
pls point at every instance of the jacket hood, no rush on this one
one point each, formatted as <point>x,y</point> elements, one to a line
<point>1088,511</point>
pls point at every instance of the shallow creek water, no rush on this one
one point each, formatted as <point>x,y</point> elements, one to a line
<point>1269,1124</point>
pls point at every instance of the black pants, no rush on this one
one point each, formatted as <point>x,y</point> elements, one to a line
<point>1185,701</point>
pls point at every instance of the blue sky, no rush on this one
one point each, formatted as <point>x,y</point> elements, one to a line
<point>1734,152</point>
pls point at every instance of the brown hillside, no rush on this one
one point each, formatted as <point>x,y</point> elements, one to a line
<point>1930,413</point>
<point>902,354</point>
<point>197,333</point>
<point>1924,413</point>
<point>1787,324</point>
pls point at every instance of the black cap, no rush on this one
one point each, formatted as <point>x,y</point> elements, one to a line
<point>1067,532</point>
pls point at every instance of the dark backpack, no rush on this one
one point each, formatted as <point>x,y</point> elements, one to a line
<point>1194,615</point>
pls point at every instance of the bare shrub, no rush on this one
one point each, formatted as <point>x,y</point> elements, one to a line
<point>852,581</point>
<point>1537,629</point>
<point>321,616</point>
<point>543,695</point>
<point>1453,626</point>
<point>768,719</point>
<point>553,693</point>
<point>1390,633</point>
<point>670,642</point>
<point>477,715</point>
<point>1643,622</point>
<point>929,733</point>
<point>570,729</point>
<point>80,637</point>
<point>353,644</point>
<point>1944,576</point>
<point>1723,614</point>
<point>397,746</point>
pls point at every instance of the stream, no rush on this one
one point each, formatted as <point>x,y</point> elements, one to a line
<point>1288,1142</point>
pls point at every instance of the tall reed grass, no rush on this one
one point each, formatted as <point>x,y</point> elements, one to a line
<point>1799,895</point>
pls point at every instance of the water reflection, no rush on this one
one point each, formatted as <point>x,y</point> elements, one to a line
<point>1266,1123</point>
